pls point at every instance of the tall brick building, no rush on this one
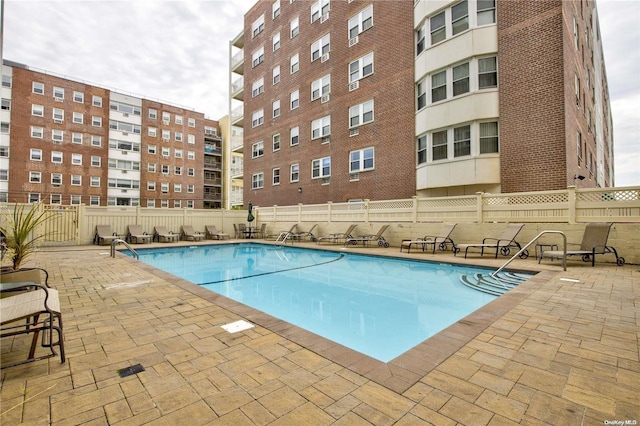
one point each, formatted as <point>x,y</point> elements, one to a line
<point>67,142</point>
<point>347,100</point>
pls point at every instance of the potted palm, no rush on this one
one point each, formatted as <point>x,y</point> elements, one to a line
<point>21,237</point>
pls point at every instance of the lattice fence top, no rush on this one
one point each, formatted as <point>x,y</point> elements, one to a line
<point>610,194</point>
<point>528,199</point>
<point>446,202</point>
<point>391,204</point>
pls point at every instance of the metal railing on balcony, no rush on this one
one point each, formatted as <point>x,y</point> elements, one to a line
<point>237,85</point>
<point>237,113</point>
<point>237,59</point>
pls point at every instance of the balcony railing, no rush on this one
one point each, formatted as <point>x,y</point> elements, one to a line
<point>237,59</point>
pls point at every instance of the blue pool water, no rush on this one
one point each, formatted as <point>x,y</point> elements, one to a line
<point>378,306</point>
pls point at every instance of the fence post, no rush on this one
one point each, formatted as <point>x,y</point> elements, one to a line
<point>329,203</point>
<point>80,219</point>
<point>414,213</point>
<point>275,213</point>
<point>299,212</point>
<point>479,205</point>
<point>571,192</point>
<point>366,210</point>
<point>138,215</point>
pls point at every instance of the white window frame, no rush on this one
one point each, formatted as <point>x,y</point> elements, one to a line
<point>96,101</point>
<point>257,180</point>
<point>76,138</point>
<point>321,127</point>
<point>37,132</point>
<point>276,142</point>
<point>78,118</point>
<point>257,149</point>
<point>58,92</point>
<point>294,173</point>
<point>35,154</point>
<point>321,87</point>
<point>275,176</point>
<point>360,66</point>
<point>363,112</point>
<point>294,99</point>
<point>360,22</point>
<point>276,108</point>
<point>362,160</point>
<point>257,57</point>
<point>57,157</point>
<point>294,64</point>
<point>258,26</point>
<point>294,136</point>
<point>78,97</point>
<point>320,47</point>
<point>257,87</point>
<point>319,168</point>
<point>294,27</point>
<point>275,79</point>
<point>319,9</point>
<point>37,88</point>
<point>257,118</point>
<point>37,110</point>
<point>76,159</point>
<point>275,41</point>
<point>275,9</point>
<point>35,177</point>
<point>57,135</point>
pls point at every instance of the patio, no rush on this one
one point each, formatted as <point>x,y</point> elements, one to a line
<point>561,348</point>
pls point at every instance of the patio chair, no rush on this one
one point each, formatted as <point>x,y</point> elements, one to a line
<point>260,232</point>
<point>440,241</point>
<point>368,239</point>
<point>135,234</point>
<point>188,234</point>
<point>289,233</point>
<point>502,244</point>
<point>594,241</point>
<point>211,232</point>
<point>338,237</point>
<point>163,235</point>
<point>104,235</point>
<point>308,234</point>
<point>29,306</point>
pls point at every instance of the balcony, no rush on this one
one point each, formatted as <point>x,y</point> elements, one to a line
<point>212,149</point>
<point>237,62</point>
<point>213,181</point>
<point>237,116</point>
<point>237,144</point>
<point>213,165</point>
<point>237,89</point>
<point>236,172</point>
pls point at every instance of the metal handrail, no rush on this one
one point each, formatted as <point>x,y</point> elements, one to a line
<point>284,235</point>
<point>564,251</point>
<point>118,241</point>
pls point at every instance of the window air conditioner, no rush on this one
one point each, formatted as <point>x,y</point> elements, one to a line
<point>324,57</point>
<point>354,132</point>
<point>325,98</point>
<point>324,17</point>
<point>354,86</point>
<point>57,121</point>
<point>353,41</point>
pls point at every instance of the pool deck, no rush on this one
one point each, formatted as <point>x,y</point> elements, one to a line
<point>562,348</point>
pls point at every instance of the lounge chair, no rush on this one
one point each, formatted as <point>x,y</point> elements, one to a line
<point>163,235</point>
<point>368,239</point>
<point>211,232</point>
<point>135,234</point>
<point>338,237</point>
<point>289,233</point>
<point>440,241</point>
<point>308,234</point>
<point>189,234</point>
<point>502,244</point>
<point>104,235</point>
<point>30,306</point>
<point>594,241</point>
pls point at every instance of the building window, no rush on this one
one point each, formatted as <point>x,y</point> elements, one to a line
<point>422,149</point>
<point>94,200</point>
<point>420,39</point>
<point>58,115</point>
<point>76,138</point>
<point>439,86</point>
<point>37,110</point>
<point>276,74</point>
<point>56,157</point>
<point>177,187</point>
<point>257,118</point>
<point>55,199</point>
<point>320,47</point>
<point>276,176</point>
<point>361,160</point>
<point>153,114</point>
<point>276,108</point>
<point>4,152</point>
<point>178,136</point>
<point>294,98</point>
<point>294,135</point>
<point>275,41</point>
<point>361,114</point>
<point>78,117</point>
<point>579,147</point>
<point>459,18</point>
<point>489,138</point>
<point>191,139</point>
<point>486,12</point>
<point>57,136</point>
<point>179,119</point>
<point>177,153</point>
<point>35,177</point>
<point>7,82</point>
<point>294,27</point>
<point>321,168</point>
<point>462,141</point>
<point>152,132</point>
<point>422,94</point>
<point>78,97</point>
<point>361,22</point>
<point>96,161</point>
<point>58,93</point>
<point>96,121</point>
<point>361,67</point>
<point>461,79</point>
<point>257,181</point>
<point>276,142</point>
<point>257,149</point>
<point>164,187</point>
<point>151,167</point>
<point>96,101</point>
<point>257,26</point>
<point>151,149</point>
<point>76,200</point>
<point>151,185</point>
<point>5,105</point>
<point>191,122</point>
<point>295,63</point>
<point>319,9</point>
<point>487,72</point>
<point>76,180</point>
<point>37,88</point>
<point>275,9</point>
<point>76,159</point>
<point>437,24</point>
<point>439,145</point>
<point>257,87</point>
<point>34,197</point>
<point>37,132</point>
<point>258,57</point>
<point>321,87</point>
<point>321,127</point>
<point>35,154</point>
<point>294,173</point>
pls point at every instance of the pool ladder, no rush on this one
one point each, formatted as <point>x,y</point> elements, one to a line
<point>283,237</point>
<point>119,241</point>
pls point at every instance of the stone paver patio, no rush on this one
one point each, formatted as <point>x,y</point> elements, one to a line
<point>562,348</point>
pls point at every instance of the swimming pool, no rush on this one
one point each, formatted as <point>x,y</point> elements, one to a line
<point>378,306</point>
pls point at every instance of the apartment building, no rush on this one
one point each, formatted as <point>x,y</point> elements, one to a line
<point>511,97</point>
<point>67,142</point>
<point>328,101</point>
<point>506,96</point>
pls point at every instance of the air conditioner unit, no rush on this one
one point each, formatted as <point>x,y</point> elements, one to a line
<point>354,176</point>
<point>165,156</point>
<point>125,152</point>
<point>353,41</point>
<point>57,121</point>
<point>354,132</point>
<point>326,139</point>
<point>59,99</point>
<point>324,99</point>
<point>326,181</point>
<point>124,171</point>
<point>324,57</point>
<point>56,185</point>
<point>324,17</point>
<point>165,122</point>
<point>165,139</point>
<point>165,173</point>
<point>124,114</point>
<point>58,142</point>
<point>354,86</point>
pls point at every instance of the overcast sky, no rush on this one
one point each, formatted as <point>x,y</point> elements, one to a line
<point>177,52</point>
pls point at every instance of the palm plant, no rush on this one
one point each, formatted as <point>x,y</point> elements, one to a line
<point>21,238</point>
